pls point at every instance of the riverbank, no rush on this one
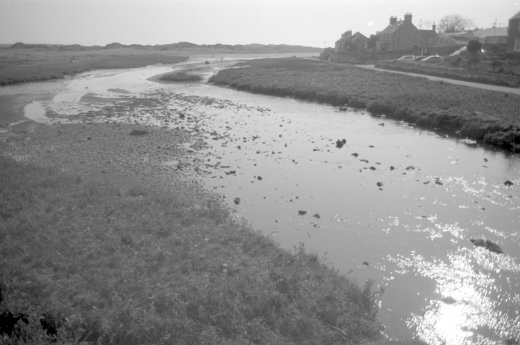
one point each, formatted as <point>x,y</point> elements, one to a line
<point>37,64</point>
<point>105,239</point>
<point>487,117</point>
<point>443,71</point>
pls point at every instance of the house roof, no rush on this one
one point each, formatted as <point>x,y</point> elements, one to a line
<point>428,33</point>
<point>516,16</point>
<point>359,36</point>
<point>490,32</point>
<point>389,29</point>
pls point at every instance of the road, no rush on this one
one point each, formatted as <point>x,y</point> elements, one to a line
<point>515,91</point>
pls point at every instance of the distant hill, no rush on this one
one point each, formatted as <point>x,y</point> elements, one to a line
<point>250,48</point>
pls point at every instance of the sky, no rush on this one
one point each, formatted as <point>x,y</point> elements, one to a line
<point>316,23</point>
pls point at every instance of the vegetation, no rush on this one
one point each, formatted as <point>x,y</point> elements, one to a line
<point>452,70</point>
<point>35,62</point>
<point>24,65</point>
<point>107,262</point>
<point>474,46</point>
<point>454,23</point>
<point>486,116</point>
<point>181,76</point>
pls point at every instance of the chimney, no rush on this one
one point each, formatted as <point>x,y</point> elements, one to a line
<point>393,20</point>
<point>408,17</point>
<point>434,27</point>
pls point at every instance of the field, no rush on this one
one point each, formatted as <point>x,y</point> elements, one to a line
<point>459,73</point>
<point>488,117</point>
<point>36,64</point>
<point>25,62</point>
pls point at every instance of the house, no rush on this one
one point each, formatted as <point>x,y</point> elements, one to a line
<point>491,36</point>
<point>513,34</point>
<point>403,35</point>
<point>351,43</point>
<point>349,46</point>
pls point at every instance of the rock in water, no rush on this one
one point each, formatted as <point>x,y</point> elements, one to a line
<point>340,143</point>
<point>508,183</point>
<point>492,247</point>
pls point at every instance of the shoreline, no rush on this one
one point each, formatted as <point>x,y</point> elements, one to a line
<point>107,199</point>
<point>488,117</point>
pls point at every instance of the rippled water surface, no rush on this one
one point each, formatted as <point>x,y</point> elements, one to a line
<point>395,204</point>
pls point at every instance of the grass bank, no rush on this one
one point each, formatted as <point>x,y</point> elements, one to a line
<point>485,116</point>
<point>98,258</point>
<point>35,64</point>
<point>178,76</point>
<point>444,71</point>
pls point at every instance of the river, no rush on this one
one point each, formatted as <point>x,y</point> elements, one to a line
<point>394,204</point>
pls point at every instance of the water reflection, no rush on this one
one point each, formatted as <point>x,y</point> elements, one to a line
<point>473,305</point>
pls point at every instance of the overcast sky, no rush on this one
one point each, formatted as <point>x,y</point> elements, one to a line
<point>303,22</point>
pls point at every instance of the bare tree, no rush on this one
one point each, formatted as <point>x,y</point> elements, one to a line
<point>454,23</point>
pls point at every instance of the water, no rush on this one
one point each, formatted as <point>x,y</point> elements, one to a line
<point>395,204</point>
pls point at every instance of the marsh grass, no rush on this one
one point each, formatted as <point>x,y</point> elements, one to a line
<point>126,264</point>
<point>25,65</point>
<point>486,116</point>
<point>181,76</point>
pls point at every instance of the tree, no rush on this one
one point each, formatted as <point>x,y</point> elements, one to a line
<point>474,46</point>
<point>454,23</point>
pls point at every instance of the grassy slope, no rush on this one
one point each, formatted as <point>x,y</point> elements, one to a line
<point>23,65</point>
<point>126,264</point>
<point>453,73</point>
<point>486,116</point>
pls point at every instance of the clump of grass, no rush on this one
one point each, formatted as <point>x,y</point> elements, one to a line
<point>485,116</point>
<point>139,132</point>
<point>158,269</point>
<point>181,76</point>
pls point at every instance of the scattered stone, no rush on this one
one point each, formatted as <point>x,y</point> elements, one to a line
<point>379,184</point>
<point>236,200</point>
<point>259,178</point>
<point>382,124</point>
<point>492,247</point>
<point>365,263</point>
<point>372,168</point>
<point>316,215</point>
<point>410,167</point>
<point>392,167</point>
<point>508,183</point>
<point>302,212</point>
<point>355,154</point>
<point>89,138</point>
<point>231,172</point>
<point>340,143</point>
<point>438,181</point>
